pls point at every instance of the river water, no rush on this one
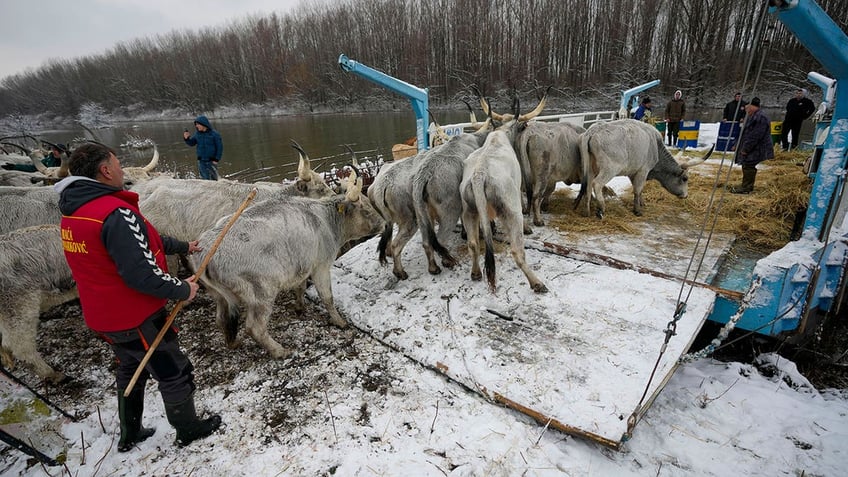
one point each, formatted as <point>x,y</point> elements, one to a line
<point>259,148</point>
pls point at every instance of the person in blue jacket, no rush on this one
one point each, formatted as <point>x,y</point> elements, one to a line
<point>209,147</point>
<point>644,111</point>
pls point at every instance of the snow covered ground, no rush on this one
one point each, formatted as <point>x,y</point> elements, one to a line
<point>362,408</point>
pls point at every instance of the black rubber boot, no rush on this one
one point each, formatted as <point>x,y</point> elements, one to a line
<point>749,175</point>
<point>130,409</point>
<point>183,417</point>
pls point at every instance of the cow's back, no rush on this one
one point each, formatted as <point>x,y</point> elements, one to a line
<point>623,147</point>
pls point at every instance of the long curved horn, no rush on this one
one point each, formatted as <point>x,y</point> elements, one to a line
<point>63,166</point>
<point>696,161</point>
<point>153,161</point>
<point>353,160</point>
<point>354,188</point>
<point>538,109</point>
<point>440,133</point>
<point>471,114</point>
<point>36,156</point>
<point>303,168</point>
<point>18,146</point>
<point>484,105</point>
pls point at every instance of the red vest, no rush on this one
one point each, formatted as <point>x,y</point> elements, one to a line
<point>108,304</point>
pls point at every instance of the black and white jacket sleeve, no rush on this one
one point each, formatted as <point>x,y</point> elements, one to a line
<point>125,236</point>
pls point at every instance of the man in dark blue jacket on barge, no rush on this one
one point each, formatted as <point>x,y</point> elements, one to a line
<point>209,147</point>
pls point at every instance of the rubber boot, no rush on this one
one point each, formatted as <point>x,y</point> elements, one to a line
<point>749,175</point>
<point>189,427</point>
<point>130,409</point>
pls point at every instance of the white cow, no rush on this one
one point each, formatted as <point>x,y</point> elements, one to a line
<point>491,189</point>
<point>35,278</point>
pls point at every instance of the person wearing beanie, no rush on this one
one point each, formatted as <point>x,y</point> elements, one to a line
<point>645,111</point>
<point>798,109</point>
<point>675,110</point>
<point>754,146</point>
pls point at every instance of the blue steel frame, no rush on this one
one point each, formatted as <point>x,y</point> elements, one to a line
<point>417,96</point>
<point>807,274</point>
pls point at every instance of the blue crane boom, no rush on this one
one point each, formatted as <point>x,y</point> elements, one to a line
<point>419,97</point>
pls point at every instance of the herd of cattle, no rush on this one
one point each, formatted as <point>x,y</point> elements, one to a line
<point>294,232</point>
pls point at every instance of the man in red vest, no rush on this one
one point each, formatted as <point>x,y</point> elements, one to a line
<point>118,261</point>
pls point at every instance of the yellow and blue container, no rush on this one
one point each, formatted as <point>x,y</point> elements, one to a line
<point>688,135</point>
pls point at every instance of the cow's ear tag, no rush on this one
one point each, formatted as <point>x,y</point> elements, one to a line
<point>341,207</point>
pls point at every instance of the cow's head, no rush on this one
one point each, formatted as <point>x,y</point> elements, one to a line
<point>359,216</point>
<point>309,183</point>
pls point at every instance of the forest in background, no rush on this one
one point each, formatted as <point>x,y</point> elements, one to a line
<point>588,50</point>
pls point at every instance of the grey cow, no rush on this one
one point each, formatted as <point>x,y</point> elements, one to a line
<point>435,193</point>
<point>631,148</point>
<point>28,206</point>
<point>275,245</point>
<point>491,189</point>
<point>35,278</point>
<point>547,152</point>
<point>185,208</point>
<point>391,195</point>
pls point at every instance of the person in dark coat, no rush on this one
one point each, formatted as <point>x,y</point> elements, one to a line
<point>798,109</point>
<point>117,259</point>
<point>755,147</point>
<point>734,110</point>
<point>675,111</point>
<point>209,147</point>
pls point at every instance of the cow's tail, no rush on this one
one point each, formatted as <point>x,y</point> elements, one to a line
<point>586,175</point>
<point>379,202</point>
<point>486,229</point>
<point>228,318</point>
<point>425,225</point>
<point>524,162</point>
<point>385,240</point>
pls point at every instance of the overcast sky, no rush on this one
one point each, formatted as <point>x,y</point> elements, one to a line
<point>35,31</point>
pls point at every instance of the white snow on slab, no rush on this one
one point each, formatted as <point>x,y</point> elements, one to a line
<point>580,356</point>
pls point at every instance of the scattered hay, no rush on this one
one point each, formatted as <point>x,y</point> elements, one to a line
<point>763,220</point>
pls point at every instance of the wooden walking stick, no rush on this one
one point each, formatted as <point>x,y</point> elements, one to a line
<point>180,303</point>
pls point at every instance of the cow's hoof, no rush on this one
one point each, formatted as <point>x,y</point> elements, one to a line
<point>637,213</point>
<point>339,323</point>
<point>234,344</point>
<point>476,276</point>
<point>57,378</point>
<point>540,288</point>
<point>539,223</point>
<point>448,263</point>
<point>401,275</point>
<point>281,353</point>
<point>434,270</point>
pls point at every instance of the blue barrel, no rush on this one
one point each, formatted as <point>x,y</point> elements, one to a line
<point>728,134</point>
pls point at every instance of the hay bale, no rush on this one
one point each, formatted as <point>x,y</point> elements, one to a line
<point>762,220</point>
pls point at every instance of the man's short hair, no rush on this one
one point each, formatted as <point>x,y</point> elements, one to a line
<point>86,159</point>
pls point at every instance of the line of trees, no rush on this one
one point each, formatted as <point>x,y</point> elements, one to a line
<point>587,49</point>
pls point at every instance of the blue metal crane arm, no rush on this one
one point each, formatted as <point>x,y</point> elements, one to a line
<point>817,32</point>
<point>418,97</point>
<point>828,44</point>
<point>626,95</point>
